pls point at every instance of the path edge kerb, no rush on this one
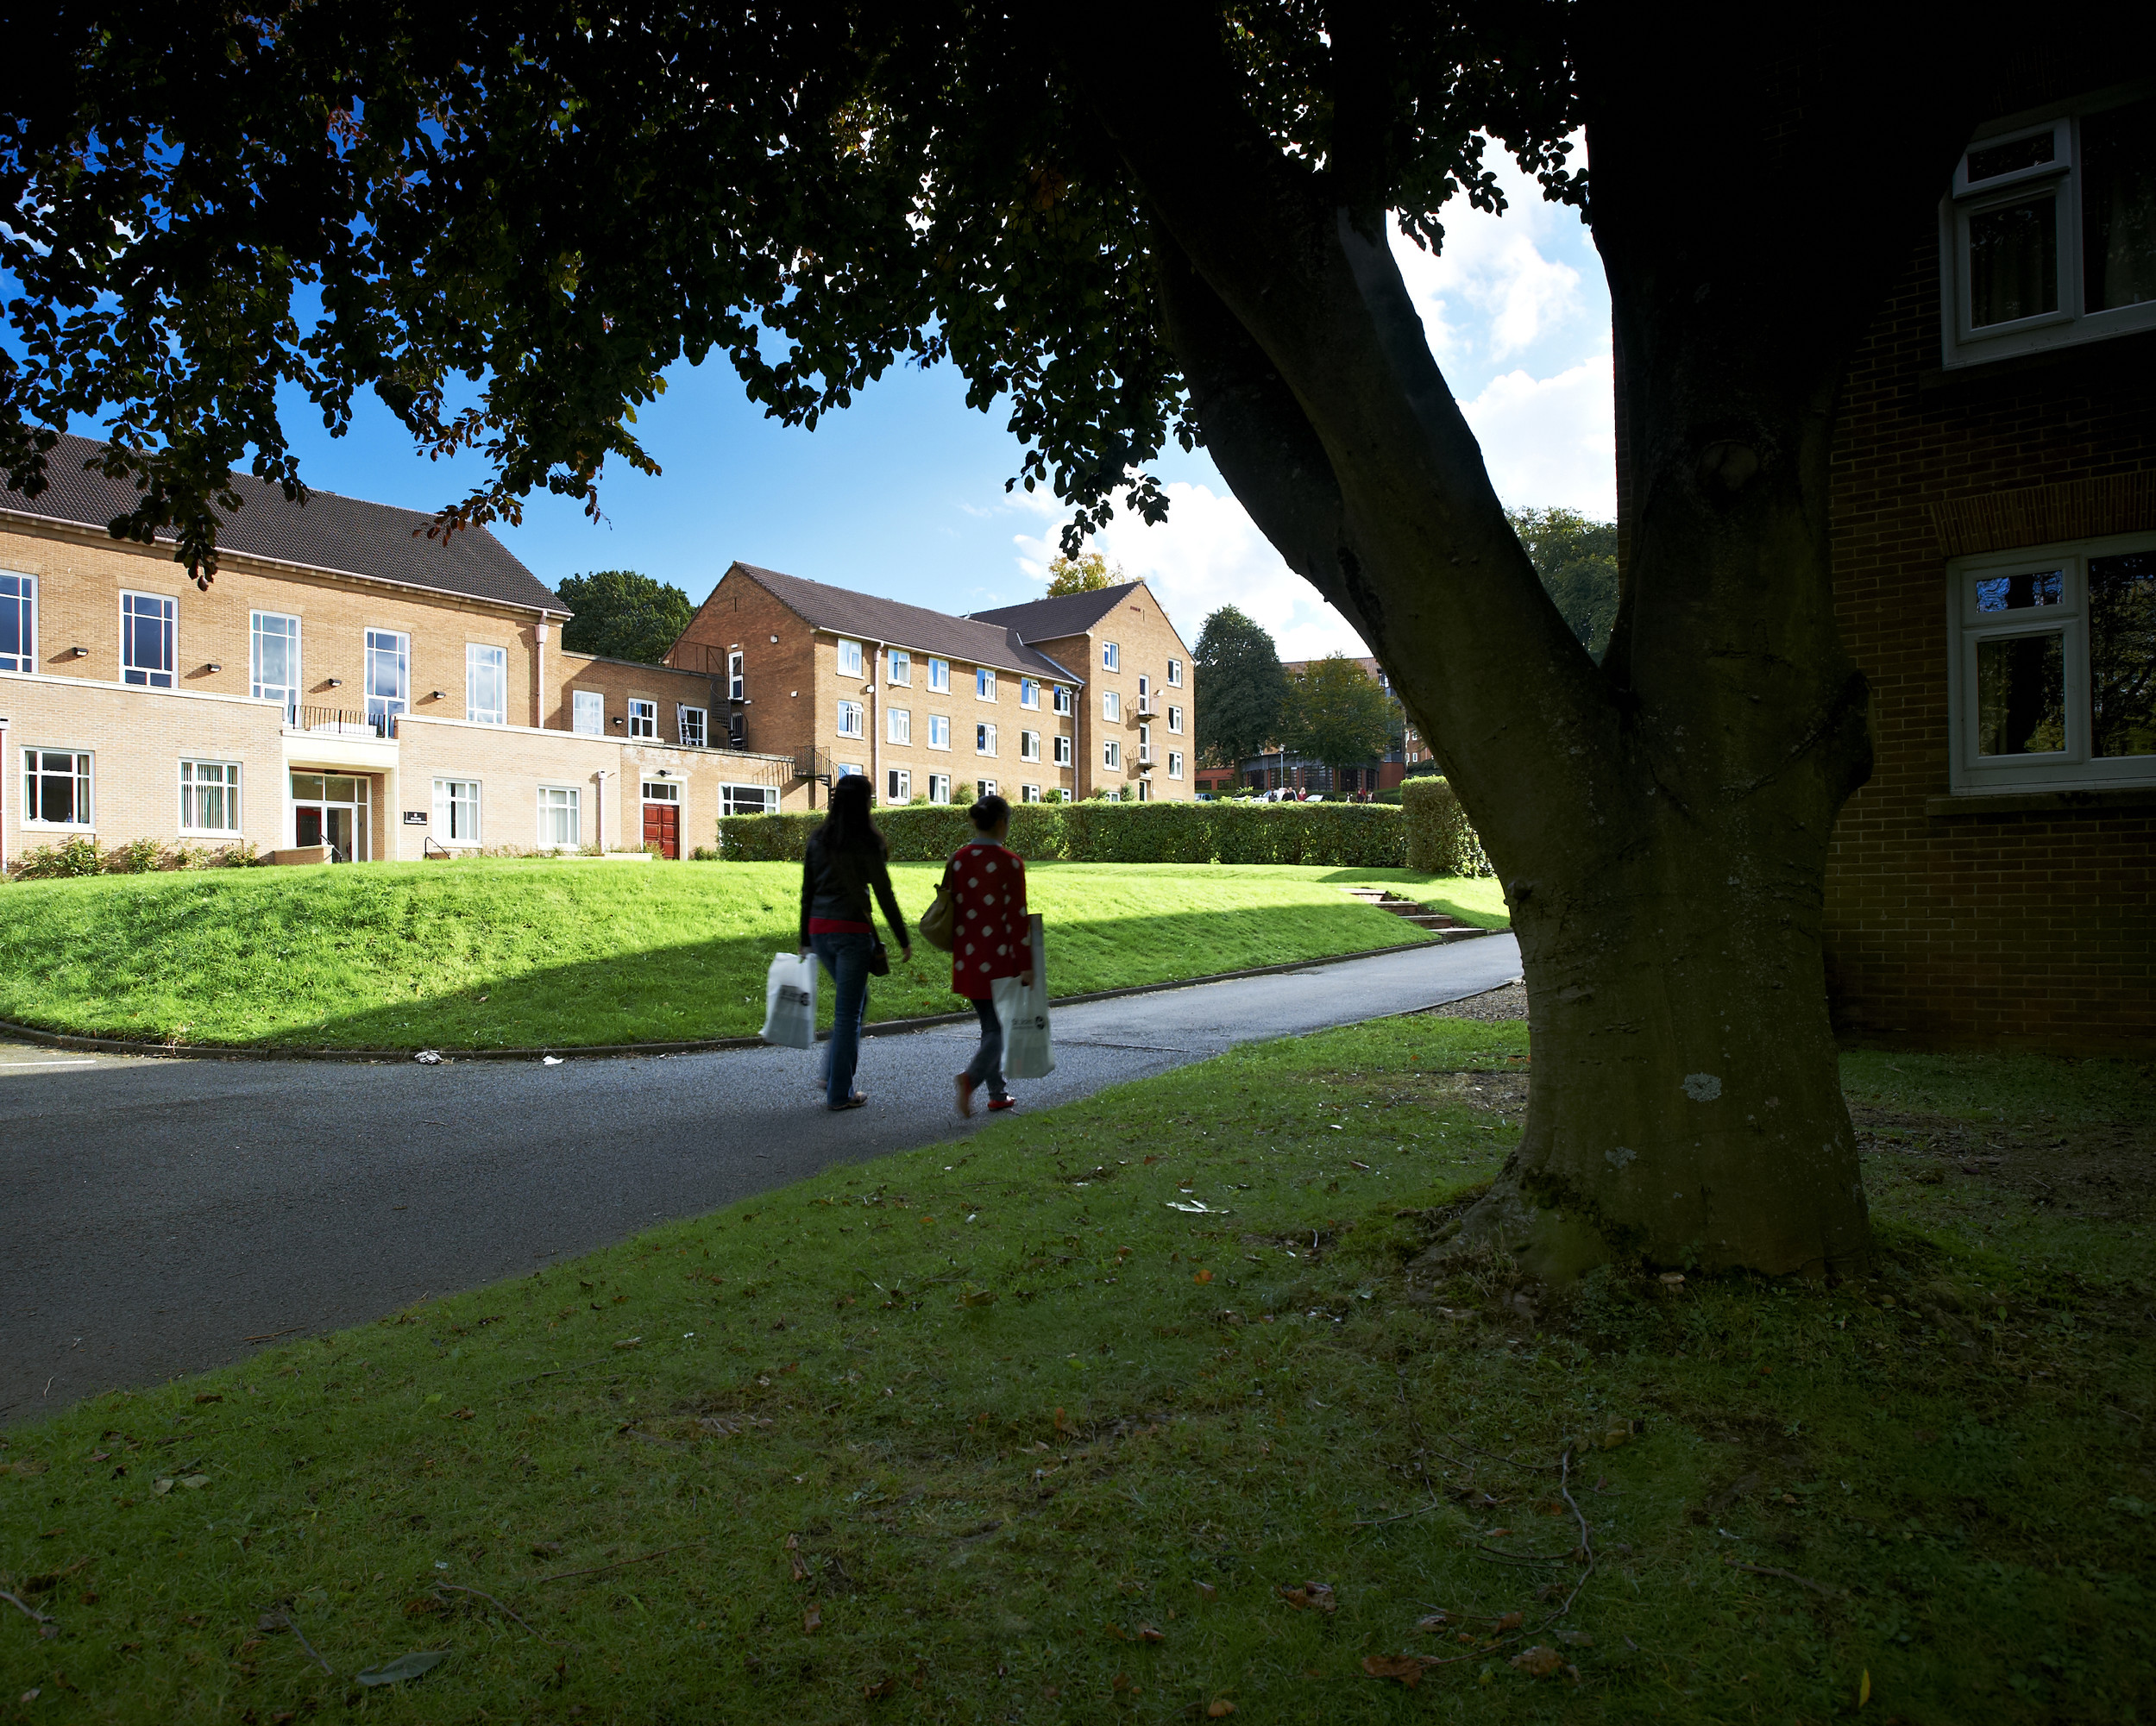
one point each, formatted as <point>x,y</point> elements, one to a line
<point>888,1027</point>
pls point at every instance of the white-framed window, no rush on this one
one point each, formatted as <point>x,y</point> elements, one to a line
<point>1145,791</point>
<point>457,812</point>
<point>898,724</point>
<point>1062,698</point>
<point>1145,741</point>
<point>149,639</point>
<point>901,673</point>
<point>485,684</point>
<point>1175,763</point>
<point>2048,237</point>
<point>588,710</point>
<point>939,676</point>
<point>1029,746</point>
<point>1029,692</point>
<point>985,787</point>
<point>983,684</point>
<point>644,719</point>
<point>1145,693</point>
<point>849,659</point>
<point>748,800</point>
<point>1062,751</point>
<point>692,726</point>
<point>272,659</point>
<point>661,791</point>
<point>899,784</point>
<point>939,787</point>
<point>1029,794</point>
<point>984,739</point>
<point>18,622</point>
<point>210,797</point>
<point>2051,679</point>
<point>1175,674</point>
<point>1112,753</point>
<point>561,817</point>
<point>849,769</point>
<point>56,788</point>
<point>737,675</point>
<point>386,677</point>
<point>1111,707</point>
<point>850,718</point>
<point>1111,657</point>
<point>938,730</point>
<point>1175,721</point>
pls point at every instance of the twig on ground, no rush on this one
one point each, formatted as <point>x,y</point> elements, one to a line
<point>459,1587</point>
<point>1419,1510</point>
<point>1533,1468</point>
<point>558,1372</point>
<point>1832,1593</point>
<point>1586,1542</point>
<point>271,1336</point>
<point>597,1568</point>
<point>1521,1558</point>
<point>300,1636</point>
<point>20,1606</point>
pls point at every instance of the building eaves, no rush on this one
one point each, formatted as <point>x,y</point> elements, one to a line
<point>1060,614</point>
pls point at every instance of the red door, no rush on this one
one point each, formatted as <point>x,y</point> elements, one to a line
<point>663,827</point>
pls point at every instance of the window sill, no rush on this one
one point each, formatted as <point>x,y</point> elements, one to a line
<point>2041,802</point>
<point>2104,363</point>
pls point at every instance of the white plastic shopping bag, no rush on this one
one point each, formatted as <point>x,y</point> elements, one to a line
<point>789,1002</point>
<point>1027,1051</point>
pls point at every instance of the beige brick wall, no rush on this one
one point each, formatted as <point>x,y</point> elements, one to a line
<point>780,674</point>
<point>1147,642</point>
<point>966,710</point>
<point>81,577</point>
<point>618,681</point>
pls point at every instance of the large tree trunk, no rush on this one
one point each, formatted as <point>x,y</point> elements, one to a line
<point>1660,821</point>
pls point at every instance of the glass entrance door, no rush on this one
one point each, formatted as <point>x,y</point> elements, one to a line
<point>332,809</point>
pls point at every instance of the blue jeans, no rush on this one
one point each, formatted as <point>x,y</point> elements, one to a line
<point>987,1067</point>
<point>846,958</point>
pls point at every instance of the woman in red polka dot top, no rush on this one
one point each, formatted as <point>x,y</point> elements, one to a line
<point>992,938</point>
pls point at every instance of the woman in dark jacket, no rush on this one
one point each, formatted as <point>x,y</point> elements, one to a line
<point>846,859</point>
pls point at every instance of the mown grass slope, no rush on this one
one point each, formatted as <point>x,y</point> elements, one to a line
<point>519,954</point>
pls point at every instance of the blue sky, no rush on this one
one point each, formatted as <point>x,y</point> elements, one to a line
<point>902,494</point>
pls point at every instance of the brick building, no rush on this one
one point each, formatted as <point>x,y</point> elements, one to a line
<point>1028,701</point>
<point>345,682</point>
<point>1135,727</point>
<point>1994,518</point>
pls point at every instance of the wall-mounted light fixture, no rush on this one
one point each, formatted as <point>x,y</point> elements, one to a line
<point>336,683</point>
<point>434,695</point>
<point>81,653</point>
<point>774,640</point>
<point>213,666</point>
<point>617,719</point>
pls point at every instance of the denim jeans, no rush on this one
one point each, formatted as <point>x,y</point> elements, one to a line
<point>987,1068</point>
<point>846,958</point>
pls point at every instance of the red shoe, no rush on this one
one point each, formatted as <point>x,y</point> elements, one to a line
<point>998,1104</point>
<point>966,1087</point>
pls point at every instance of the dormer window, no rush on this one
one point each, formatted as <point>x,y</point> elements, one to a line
<point>2048,237</point>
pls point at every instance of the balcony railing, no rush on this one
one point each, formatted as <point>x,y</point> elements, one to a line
<point>340,722</point>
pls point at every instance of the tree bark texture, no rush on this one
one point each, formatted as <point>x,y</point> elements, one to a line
<point>1660,821</point>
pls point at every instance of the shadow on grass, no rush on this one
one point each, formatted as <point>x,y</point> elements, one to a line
<point>1409,883</point>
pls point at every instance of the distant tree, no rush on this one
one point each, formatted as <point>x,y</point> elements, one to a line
<point>1085,575</point>
<point>1576,559</point>
<point>1336,713</point>
<point>1240,688</point>
<point>622,615</point>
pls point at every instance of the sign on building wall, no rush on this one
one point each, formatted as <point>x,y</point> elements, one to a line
<point>415,818</point>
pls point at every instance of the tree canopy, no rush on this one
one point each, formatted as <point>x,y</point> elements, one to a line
<point>622,615</point>
<point>1576,559</point>
<point>1240,688</point>
<point>1336,713</point>
<point>1088,572</point>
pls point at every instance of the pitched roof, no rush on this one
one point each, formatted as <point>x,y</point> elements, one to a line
<point>1061,614</point>
<point>844,612</point>
<point>339,534</point>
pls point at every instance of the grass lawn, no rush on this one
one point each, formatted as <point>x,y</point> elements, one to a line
<point>1014,1431</point>
<point>518,954</point>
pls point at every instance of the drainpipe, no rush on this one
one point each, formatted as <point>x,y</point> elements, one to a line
<point>538,675</point>
<point>874,706</point>
<point>6,779</point>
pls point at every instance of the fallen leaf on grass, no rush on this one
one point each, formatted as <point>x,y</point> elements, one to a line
<point>1147,1633</point>
<point>886,1685</point>
<point>1511,1621</point>
<point>1207,1590</point>
<point>1539,1661</point>
<point>1219,1708</point>
<point>812,1621</point>
<point>1310,1594</point>
<point>403,1666</point>
<point>1437,1620</point>
<point>1202,1277</point>
<point>194,1483</point>
<point>629,1342</point>
<point>1407,1668</point>
<point>208,1396</point>
<point>461,1414</point>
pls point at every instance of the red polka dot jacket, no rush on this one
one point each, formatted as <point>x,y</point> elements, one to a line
<point>994,936</point>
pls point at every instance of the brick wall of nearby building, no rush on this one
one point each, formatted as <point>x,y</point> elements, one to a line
<point>1147,640</point>
<point>779,717</point>
<point>1972,922</point>
<point>82,575</point>
<point>966,710</point>
<point>618,681</point>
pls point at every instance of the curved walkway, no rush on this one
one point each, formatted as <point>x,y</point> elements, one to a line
<point>165,1217</point>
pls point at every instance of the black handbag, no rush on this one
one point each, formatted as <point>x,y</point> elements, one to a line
<point>879,958</point>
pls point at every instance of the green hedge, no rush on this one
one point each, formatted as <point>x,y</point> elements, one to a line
<point>1334,835</point>
<point>1440,839</point>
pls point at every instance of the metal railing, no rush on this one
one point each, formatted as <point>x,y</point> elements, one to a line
<point>340,722</point>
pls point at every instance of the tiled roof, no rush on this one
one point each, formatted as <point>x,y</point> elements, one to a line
<point>1065,614</point>
<point>338,534</point>
<point>845,612</point>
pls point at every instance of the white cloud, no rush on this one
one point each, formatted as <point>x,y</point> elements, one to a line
<point>1551,439</point>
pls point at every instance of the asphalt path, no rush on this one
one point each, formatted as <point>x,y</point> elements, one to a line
<point>166,1216</point>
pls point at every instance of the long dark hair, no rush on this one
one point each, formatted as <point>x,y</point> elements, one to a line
<point>847,825</point>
